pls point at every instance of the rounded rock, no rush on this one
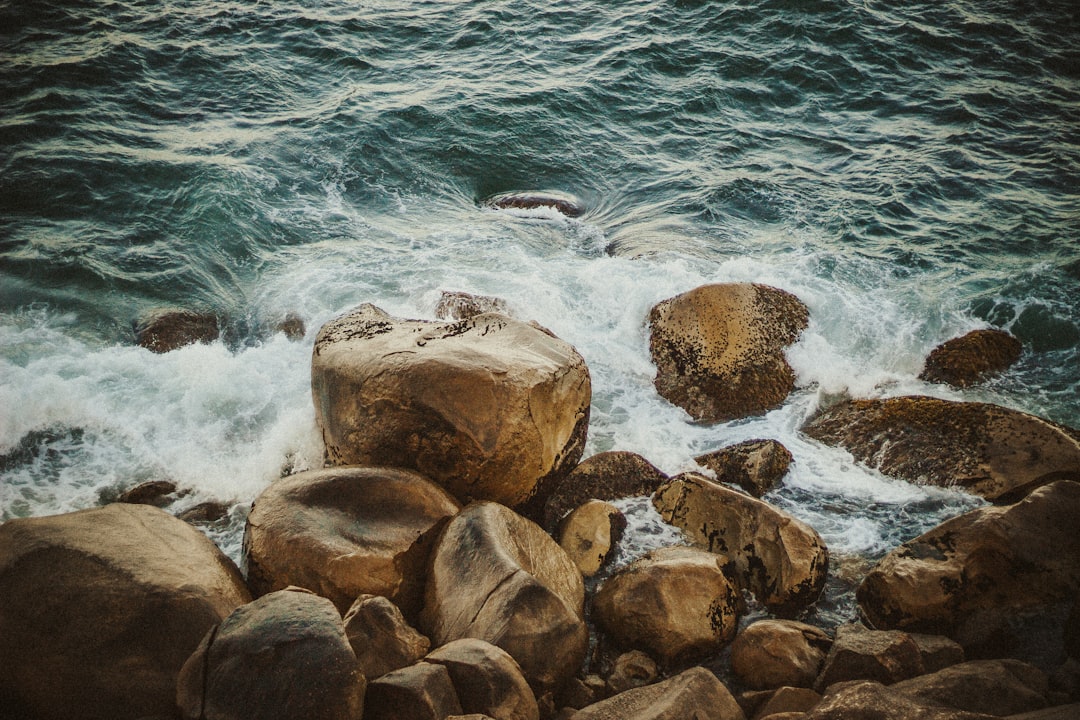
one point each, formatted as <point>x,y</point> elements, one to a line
<point>779,653</point>
<point>969,359</point>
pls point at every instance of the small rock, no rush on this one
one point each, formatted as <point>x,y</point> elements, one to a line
<point>381,638</point>
<point>166,329</point>
<point>755,465</point>
<point>487,680</point>
<point>461,305</point>
<point>151,492</point>
<point>632,669</point>
<point>776,653</point>
<point>608,475</point>
<point>969,359</point>
<point>418,692</point>
<point>857,653</point>
<point>937,651</point>
<point>869,700</point>
<point>590,533</point>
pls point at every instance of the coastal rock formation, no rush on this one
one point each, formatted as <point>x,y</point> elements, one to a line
<point>590,533</point>
<point>487,680</point>
<point>970,359</point>
<point>488,407</point>
<point>461,305</point>
<point>344,532</point>
<point>755,465</point>
<point>782,560</point>
<point>858,653</point>
<point>419,692</point>
<point>984,566</point>
<point>380,638</point>
<point>787,700</point>
<point>869,700</point>
<point>991,451</point>
<point>498,577</point>
<point>282,656</point>
<point>694,693</point>
<point>605,476</point>
<point>165,329</point>
<point>632,669</point>
<point>100,608</point>
<point>675,602</point>
<point>778,653</point>
<point>565,203</point>
<point>719,349</point>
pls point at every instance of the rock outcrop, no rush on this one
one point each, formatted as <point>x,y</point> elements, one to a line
<point>970,359</point>
<point>345,532</point>
<point>101,608</point>
<point>991,451</point>
<point>719,349</point>
<point>488,407</point>
<point>782,560</point>
<point>165,329</point>
<point>498,577</point>
<point>605,476</point>
<point>755,465</point>
<point>777,653</point>
<point>694,693</point>
<point>285,655</point>
<point>676,603</point>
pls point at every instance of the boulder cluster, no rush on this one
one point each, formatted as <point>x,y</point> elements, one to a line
<point>454,557</point>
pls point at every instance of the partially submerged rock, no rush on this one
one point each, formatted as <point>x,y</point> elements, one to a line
<point>719,349</point>
<point>778,653</point>
<point>565,203</point>
<point>589,535</point>
<point>151,492</point>
<point>694,693</point>
<point>782,560</point>
<point>454,305</point>
<point>344,532</point>
<point>610,475</point>
<point>101,608</point>
<point>165,329</point>
<point>675,603</point>
<point>488,407</point>
<point>755,465</point>
<point>995,452</point>
<point>971,358</point>
<point>858,653</point>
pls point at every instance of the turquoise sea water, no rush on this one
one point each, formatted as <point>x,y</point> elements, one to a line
<point>911,170</point>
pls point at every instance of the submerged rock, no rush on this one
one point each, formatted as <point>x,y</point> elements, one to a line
<point>605,476</point>
<point>969,359</point>
<point>101,608</point>
<point>488,407</point>
<point>991,451</point>
<point>566,204</point>
<point>755,465</point>
<point>694,693</point>
<point>166,329</point>
<point>719,349</point>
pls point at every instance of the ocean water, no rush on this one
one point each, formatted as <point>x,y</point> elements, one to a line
<point>910,170</point>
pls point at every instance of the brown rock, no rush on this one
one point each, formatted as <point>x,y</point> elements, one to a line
<point>996,560</point>
<point>792,715</point>
<point>755,465</point>
<point>969,359</point>
<point>487,680</point>
<point>488,407</point>
<point>674,602</point>
<point>857,653</point>
<point>632,669</point>
<point>282,656</point>
<point>205,512</point>
<point>606,476</point>
<point>461,305</point>
<point>418,692</point>
<point>381,638</point>
<point>100,609</point>
<point>993,687</point>
<point>1072,631</point>
<point>292,326</point>
<point>991,451</point>
<point>1061,712</point>
<point>937,651</point>
<point>868,700</point>
<point>694,693</point>
<point>782,560</point>
<point>498,577</point>
<point>788,700</point>
<point>719,349</point>
<point>344,532</point>
<point>166,329</point>
<point>566,204</point>
<point>590,533</point>
<point>777,653</point>
<point>151,492</point>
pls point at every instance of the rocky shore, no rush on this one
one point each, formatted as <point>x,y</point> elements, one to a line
<point>437,566</point>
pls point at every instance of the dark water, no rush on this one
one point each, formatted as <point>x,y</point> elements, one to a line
<point>910,170</point>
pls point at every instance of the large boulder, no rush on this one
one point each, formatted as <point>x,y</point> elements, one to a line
<point>608,475</point>
<point>755,465</point>
<point>991,562</point>
<point>417,692</point>
<point>285,655</point>
<point>100,608</point>
<point>991,451</point>
<point>498,577</point>
<point>782,560</point>
<point>489,407</point>
<point>675,602</point>
<point>345,532</point>
<point>719,349</point>
<point>694,693</point>
<point>778,653</point>
<point>589,535</point>
<point>381,638</point>
<point>858,653</point>
<point>869,700</point>
<point>994,687</point>
<point>487,680</point>
<point>969,359</point>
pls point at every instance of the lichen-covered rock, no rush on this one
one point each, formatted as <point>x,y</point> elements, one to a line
<point>971,358</point>
<point>565,203</point>
<point>488,407</point>
<point>487,680</point>
<point>755,465</point>
<point>858,653</point>
<point>345,532</point>
<point>605,476</point>
<point>991,451</point>
<point>589,535</point>
<point>99,609</point>
<point>778,653</point>
<point>997,560</point>
<point>676,603</point>
<point>994,687</point>
<point>285,655</point>
<point>782,560</point>
<point>461,305</point>
<point>381,638</point>
<point>498,577</point>
<point>165,329</point>
<point>719,349</point>
<point>694,693</point>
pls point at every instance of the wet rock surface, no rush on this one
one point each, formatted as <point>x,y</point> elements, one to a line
<point>971,358</point>
<point>756,466</point>
<point>165,329</point>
